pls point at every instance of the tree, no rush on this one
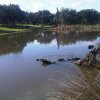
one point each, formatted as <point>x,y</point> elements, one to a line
<point>11,14</point>
<point>67,16</point>
<point>88,16</point>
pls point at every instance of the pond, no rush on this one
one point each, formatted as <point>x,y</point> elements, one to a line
<point>23,78</point>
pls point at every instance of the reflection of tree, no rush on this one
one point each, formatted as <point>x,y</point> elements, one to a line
<point>16,42</point>
<point>66,38</point>
<point>45,37</point>
<point>73,37</point>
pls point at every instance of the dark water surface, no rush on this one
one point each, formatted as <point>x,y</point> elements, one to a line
<point>22,78</point>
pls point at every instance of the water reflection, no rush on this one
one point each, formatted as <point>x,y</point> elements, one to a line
<point>15,43</point>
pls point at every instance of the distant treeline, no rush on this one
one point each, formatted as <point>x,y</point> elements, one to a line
<point>13,15</point>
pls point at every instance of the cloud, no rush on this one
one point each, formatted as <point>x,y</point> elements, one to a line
<point>35,5</point>
<point>82,3</point>
<point>77,4</point>
<point>8,1</point>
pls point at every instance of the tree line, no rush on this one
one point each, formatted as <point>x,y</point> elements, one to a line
<point>13,15</point>
<point>70,16</point>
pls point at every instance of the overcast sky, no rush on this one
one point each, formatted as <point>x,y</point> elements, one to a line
<point>35,5</point>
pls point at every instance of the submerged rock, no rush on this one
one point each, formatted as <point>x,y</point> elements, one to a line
<point>74,59</point>
<point>61,59</point>
<point>90,46</point>
<point>44,61</point>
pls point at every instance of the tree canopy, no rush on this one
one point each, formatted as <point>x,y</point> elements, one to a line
<point>12,15</point>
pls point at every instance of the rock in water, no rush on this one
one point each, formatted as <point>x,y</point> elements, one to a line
<point>73,59</point>
<point>37,59</point>
<point>44,61</point>
<point>90,46</point>
<point>91,59</point>
<point>61,59</point>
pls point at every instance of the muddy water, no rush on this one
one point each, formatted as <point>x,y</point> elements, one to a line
<point>22,78</point>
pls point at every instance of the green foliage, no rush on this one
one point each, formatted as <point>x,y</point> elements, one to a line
<point>70,16</point>
<point>13,15</point>
<point>88,16</point>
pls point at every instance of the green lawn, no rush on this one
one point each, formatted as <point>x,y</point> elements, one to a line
<point>22,28</point>
<point>8,30</point>
<point>27,28</point>
<point>11,29</point>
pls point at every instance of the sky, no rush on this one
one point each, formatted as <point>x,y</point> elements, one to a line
<point>35,5</point>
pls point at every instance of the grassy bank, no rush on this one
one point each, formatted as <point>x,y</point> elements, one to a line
<point>83,28</point>
<point>21,28</point>
<point>34,28</point>
<point>12,29</point>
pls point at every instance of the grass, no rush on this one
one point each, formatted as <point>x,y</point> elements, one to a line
<point>11,29</point>
<point>90,27</point>
<point>5,30</point>
<point>83,88</point>
<point>83,28</point>
<point>21,28</point>
<point>34,28</point>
